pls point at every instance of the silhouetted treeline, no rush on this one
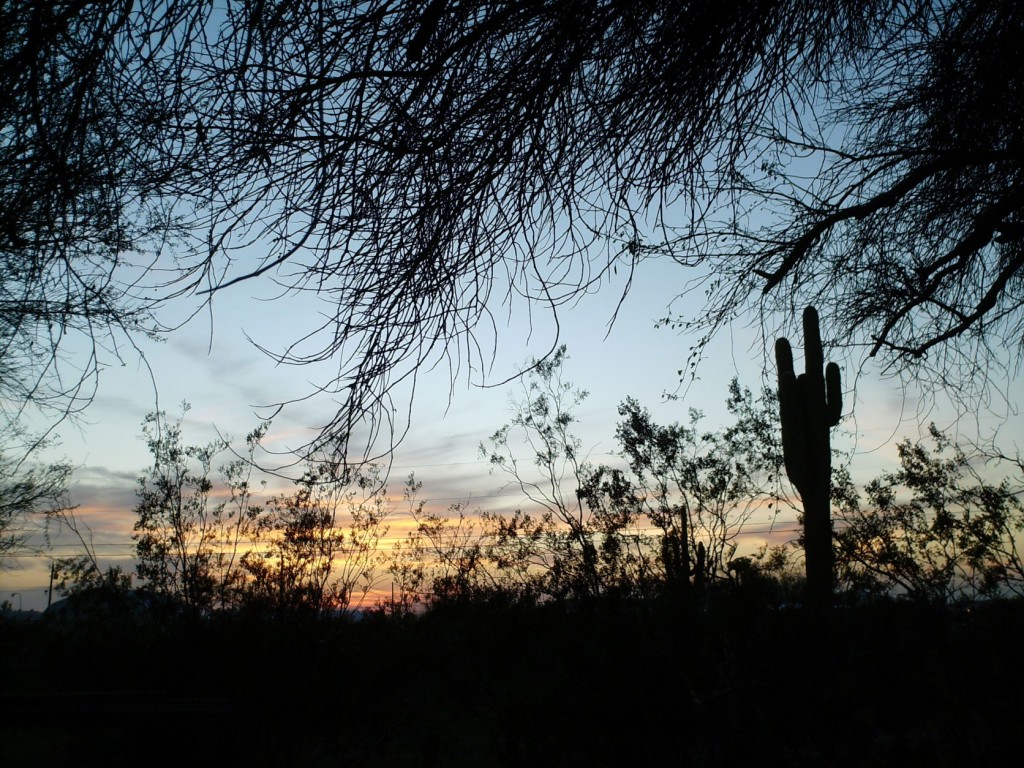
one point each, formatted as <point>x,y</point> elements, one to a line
<point>665,525</point>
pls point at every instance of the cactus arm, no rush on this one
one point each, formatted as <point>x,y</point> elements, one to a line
<point>784,359</point>
<point>814,356</point>
<point>833,395</point>
<point>789,413</point>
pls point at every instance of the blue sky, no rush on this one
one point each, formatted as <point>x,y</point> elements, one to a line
<point>211,363</point>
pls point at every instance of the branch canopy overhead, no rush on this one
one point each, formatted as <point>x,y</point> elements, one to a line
<point>415,164</point>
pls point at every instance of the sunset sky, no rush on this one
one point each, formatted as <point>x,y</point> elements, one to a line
<point>770,153</point>
<point>211,364</point>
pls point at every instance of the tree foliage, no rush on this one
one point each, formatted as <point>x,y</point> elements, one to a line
<point>669,517</point>
<point>936,530</point>
<point>896,201</point>
<point>411,165</point>
<point>28,493</point>
<point>81,215</point>
<point>665,522</point>
<point>586,549</point>
<point>698,487</point>
<point>320,546</point>
<point>189,544</point>
<point>208,537</point>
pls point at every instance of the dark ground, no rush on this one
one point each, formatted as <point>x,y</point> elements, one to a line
<point>606,685</point>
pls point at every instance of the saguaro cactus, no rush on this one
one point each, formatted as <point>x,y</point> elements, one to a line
<point>809,406</point>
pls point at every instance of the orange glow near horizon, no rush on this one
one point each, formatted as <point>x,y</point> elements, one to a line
<point>108,527</point>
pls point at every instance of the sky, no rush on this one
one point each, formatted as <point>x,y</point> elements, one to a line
<point>231,386</point>
<point>212,364</point>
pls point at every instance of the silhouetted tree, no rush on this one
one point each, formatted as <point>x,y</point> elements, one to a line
<point>189,545</point>
<point>936,530</point>
<point>320,545</point>
<point>84,145</point>
<point>583,549</point>
<point>411,164</point>
<point>584,529</point>
<point>697,487</point>
<point>29,494</point>
<point>81,572</point>
<point>444,560</point>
